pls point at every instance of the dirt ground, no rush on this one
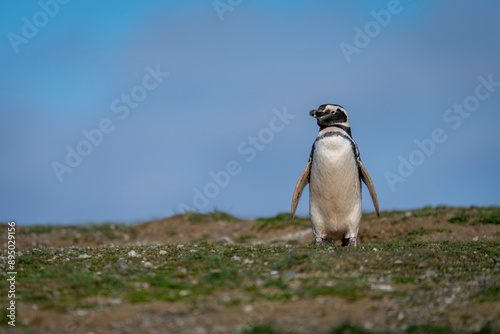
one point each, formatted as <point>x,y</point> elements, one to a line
<point>180,229</point>
<point>231,310</point>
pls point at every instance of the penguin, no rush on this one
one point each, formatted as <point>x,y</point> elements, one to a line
<point>334,173</point>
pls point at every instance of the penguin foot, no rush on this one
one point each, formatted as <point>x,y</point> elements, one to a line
<point>349,242</point>
<point>319,241</point>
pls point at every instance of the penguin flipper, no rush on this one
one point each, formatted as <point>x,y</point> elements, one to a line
<point>368,181</point>
<point>301,184</point>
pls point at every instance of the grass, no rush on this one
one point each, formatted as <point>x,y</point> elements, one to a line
<point>197,273</point>
<point>475,215</point>
<point>281,220</point>
<point>347,328</point>
<point>203,269</point>
<point>488,294</point>
<point>216,215</point>
<point>462,217</point>
<point>423,231</point>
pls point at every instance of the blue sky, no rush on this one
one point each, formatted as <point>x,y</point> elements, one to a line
<point>171,93</point>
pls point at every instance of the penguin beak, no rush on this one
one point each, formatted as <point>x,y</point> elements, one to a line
<point>316,113</point>
<point>313,113</point>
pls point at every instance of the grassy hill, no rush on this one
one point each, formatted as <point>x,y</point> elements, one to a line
<point>435,269</point>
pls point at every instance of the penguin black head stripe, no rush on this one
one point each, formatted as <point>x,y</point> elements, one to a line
<point>331,115</point>
<point>334,174</point>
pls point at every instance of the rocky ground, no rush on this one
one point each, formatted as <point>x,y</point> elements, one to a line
<point>418,271</point>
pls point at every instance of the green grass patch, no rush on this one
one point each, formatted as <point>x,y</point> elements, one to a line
<point>489,294</point>
<point>216,215</point>
<point>423,231</point>
<point>403,279</point>
<point>491,219</point>
<point>348,289</point>
<point>347,328</point>
<point>460,218</point>
<point>244,239</point>
<point>303,262</point>
<point>283,216</point>
<point>420,231</point>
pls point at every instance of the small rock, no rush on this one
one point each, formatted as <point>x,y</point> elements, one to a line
<point>200,330</point>
<point>163,252</point>
<point>192,251</point>
<point>449,300</point>
<point>184,293</point>
<point>375,249</point>
<point>132,253</point>
<point>224,239</point>
<point>398,262</point>
<point>247,261</point>
<point>180,246</point>
<point>84,256</point>
<point>274,272</point>
<point>236,258</point>
<point>247,309</point>
<point>81,312</point>
<point>148,264</point>
<point>476,238</point>
<point>114,301</point>
<point>382,287</point>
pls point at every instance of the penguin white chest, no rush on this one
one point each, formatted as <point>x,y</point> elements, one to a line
<point>335,188</point>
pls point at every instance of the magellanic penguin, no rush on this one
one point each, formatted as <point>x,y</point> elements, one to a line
<point>334,173</point>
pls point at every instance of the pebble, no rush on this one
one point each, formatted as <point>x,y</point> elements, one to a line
<point>382,287</point>
<point>236,258</point>
<point>274,272</point>
<point>148,264</point>
<point>132,253</point>
<point>81,312</point>
<point>163,252</point>
<point>115,301</point>
<point>247,308</point>
<point>224,239</point>
<point>84,256</point>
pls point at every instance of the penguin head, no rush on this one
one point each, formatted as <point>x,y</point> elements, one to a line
<point>331,115</point>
